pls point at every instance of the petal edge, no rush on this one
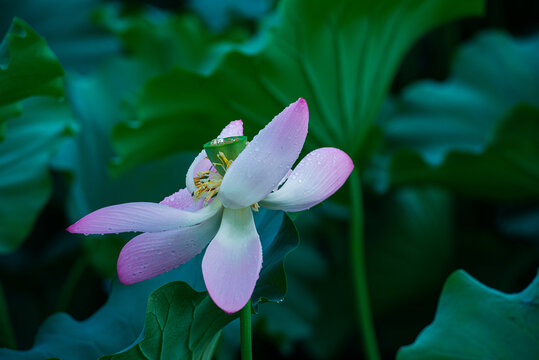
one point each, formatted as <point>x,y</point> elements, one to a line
<point>140,217</point>
<point>318,176</point>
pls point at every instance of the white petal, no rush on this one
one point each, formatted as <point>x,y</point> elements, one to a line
<point>233,260</point>
<point>318,175</point>
<point>267,159</point>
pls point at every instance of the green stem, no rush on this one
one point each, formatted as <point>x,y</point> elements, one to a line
<point>357,258</point>
<point>245,330</point>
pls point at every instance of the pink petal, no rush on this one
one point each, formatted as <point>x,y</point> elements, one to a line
<point>201,163</point>
<point>234,128</point>
<point>141,216</point>
<point>182,200</point>
<point>267,159</point>
<point>151,254</point>
<point>318,175</point>
<point>233,260</point>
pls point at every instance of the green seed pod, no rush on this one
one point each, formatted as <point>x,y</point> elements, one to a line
<point>231,147</point>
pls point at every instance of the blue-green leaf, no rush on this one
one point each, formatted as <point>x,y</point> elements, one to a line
<point>25,184</point>
<point>465,133</point>
<point>506,169</point>
<point>27,68</point>
<point>180,324</point>
<point>474,321</point>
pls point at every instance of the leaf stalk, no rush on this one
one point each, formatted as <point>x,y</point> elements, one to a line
<point>359,274</point>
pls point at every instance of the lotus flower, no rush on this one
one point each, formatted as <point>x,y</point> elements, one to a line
<point>226,182</point>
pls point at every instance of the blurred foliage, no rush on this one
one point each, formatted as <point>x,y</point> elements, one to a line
<point>115,326</point>
<point>450,169</point>
<point>460,131</point>
<point>329,53</point>
<point>507,168</point>
<point>25,184</point>
<point>27,68</point>
<point>78,44</point>
<point>219,14</point>
<point>165,40</point>
<point>475,321</point>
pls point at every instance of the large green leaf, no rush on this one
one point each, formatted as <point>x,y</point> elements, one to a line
<point>180,324</point>
<point>453,134</point>
<point>25,184</point>
<point>340,56</point>
<point>27,68</point>
<point>507,168</point>
<point>474,321</point>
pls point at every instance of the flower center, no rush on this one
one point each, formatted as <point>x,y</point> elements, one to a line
<point>221,153</point>
<point>208,182</point>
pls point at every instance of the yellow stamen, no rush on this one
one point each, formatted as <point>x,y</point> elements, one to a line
<point>208,182</point>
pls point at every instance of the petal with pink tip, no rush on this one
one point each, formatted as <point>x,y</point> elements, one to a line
<point>233,260</point>
<point>317,176</point>
<point>141,216</point>
<point>267,159</point>
<point>234,128</point>
<point>151,254</point>
<point>201,163</point>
